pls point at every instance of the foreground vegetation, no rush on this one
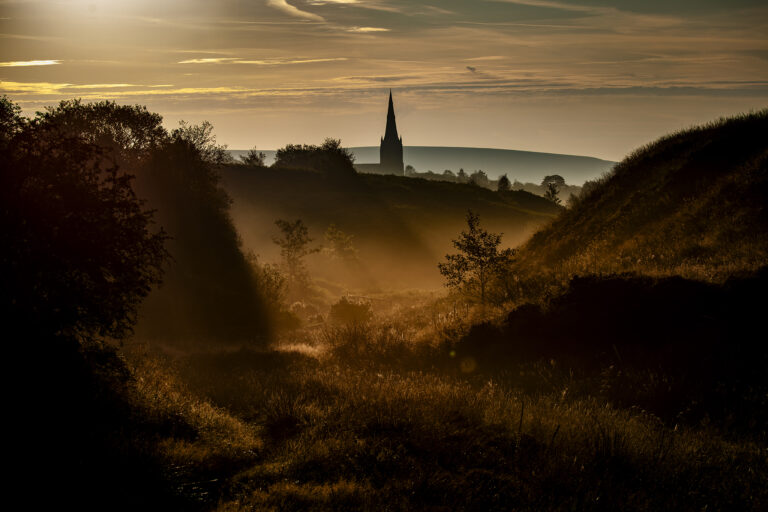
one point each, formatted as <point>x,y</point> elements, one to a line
<point>376,418</point>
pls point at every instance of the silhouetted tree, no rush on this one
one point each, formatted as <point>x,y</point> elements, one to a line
<point>504,184</point>
<point>555,178</point>
<point>254,158</point>
<point>209,292</point>
<point>329,158</point>
<point>410,170</point>
<point>479,178</point>
<point>551,193</point>
<point>294,247</point>
<point>462,177</point>
<point>11,120</point>
<point>479,259</point>
<point>77,247</point>
<point>201,137</point>
<point>130,132</point>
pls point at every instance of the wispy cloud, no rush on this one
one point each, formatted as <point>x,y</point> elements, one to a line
<point>24,63</point>
<point>209,60</point>
<point>553,5</point>
<point>279,62</point>
<point>284,6</point>
<point>488,57</point>
<point>260,62</point>
<point>367,29</point>
<point>101,86</point>
<point>379,79</point>
<point>47,88</point>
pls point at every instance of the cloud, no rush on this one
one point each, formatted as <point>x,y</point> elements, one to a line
<point>387,78</point>
<point>367,29</point>
<point>211,60</point>
<point>553,5</point>
<point>259,62</point>
<point>488,57</point>
<point>23,63</point>
<point>283,5</point>
<point>47,88</point>
<point>278,62</point>
<point>101,86</point>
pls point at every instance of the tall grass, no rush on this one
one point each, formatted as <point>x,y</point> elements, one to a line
<point>371,418</point>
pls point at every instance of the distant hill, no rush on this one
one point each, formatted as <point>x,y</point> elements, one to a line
<point>524,166</point>
<point>402,226</point>
<point>694,203</point>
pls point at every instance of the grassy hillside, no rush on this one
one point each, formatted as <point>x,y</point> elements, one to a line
<point>692,203</point>
<point>402,226</point>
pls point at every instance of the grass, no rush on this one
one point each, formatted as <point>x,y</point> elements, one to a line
<point>689,204</point>
<point>373,417</point>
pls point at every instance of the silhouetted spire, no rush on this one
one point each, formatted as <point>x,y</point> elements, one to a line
<point>391,132</point>
<point>391,150</point>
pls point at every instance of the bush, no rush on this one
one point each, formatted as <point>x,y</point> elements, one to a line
<point>348,312</point>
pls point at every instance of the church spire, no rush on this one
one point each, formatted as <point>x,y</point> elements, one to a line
<point>391,150</point>
<point>391,132</point>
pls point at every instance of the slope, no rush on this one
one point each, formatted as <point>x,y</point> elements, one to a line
<point>402,226</point>
<point>692,203</point>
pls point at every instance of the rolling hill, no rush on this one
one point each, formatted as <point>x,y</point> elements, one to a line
<point>692,203</point>
<point>524,166</point>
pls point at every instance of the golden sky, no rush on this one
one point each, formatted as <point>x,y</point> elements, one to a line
<point>588,77</point>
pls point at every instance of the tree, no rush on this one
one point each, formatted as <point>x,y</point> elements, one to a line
<point>78,250</point>
<point>479,178</point>
<point>294,247</point>
<point>551,193</point>
<point>130,132</point>
<point>11,121</point>
<point>462,177</point>
<point>340,244</point>
<point>504,184</point>
<point>209,292</point>
<point>254,158</point>
<point>554,178</point>
<point>479,259</point>
<point>329,158</point>
<point>201,137</point>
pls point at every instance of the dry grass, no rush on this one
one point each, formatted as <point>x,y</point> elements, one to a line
<point>371,418</point>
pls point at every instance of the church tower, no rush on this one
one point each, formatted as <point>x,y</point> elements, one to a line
<point>391,151</point>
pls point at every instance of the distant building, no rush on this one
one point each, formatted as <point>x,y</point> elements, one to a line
<point>390,151</point>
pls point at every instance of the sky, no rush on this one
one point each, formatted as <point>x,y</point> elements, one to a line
<point>585,77</point>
